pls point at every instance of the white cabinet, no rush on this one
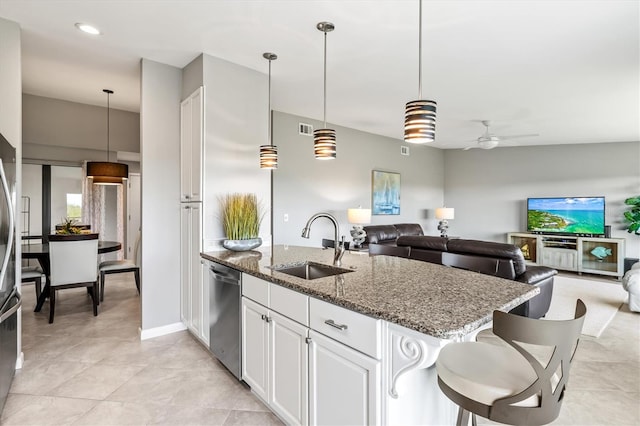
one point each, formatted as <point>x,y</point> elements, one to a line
<point>289,369</point>
<point>194,295</point>
<point>344,384</point>
<point>594,255</point>
<point>329,373</point>
<point>255,347</point>
<point>274,349</point>
<point>191,146</point>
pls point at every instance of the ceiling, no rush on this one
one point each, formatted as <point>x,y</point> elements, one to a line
<point>566,70</point>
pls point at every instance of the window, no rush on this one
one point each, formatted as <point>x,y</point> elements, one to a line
<point>74,206</point>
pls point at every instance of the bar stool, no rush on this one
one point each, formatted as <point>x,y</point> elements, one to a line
<point>520,383</point>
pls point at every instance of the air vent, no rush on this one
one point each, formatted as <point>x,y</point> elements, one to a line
<point>305,129</point>
<point>404,150</point>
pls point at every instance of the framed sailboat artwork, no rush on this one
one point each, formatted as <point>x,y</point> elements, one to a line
<point>385,193</point>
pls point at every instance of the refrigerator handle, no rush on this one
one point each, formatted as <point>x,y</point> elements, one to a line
<point>14,308</point>
<point>7,254</point>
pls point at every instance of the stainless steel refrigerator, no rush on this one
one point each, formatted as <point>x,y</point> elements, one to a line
<point>9,295</point>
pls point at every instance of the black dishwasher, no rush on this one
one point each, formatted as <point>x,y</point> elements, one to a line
<point>224,316</point>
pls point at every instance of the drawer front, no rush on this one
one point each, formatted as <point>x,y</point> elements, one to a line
<point>290,303</point>
<point>255,289</point>
<point>358,331</point>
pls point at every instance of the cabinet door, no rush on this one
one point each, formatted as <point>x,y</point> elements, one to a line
<point>255,347</point>
<point>195,274</point>
<point>338,374</point>
<point>185,269</point>
<point>191,144</point>
<point>289,369</point>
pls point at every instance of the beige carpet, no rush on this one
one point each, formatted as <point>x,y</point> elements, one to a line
<point>603,298</point>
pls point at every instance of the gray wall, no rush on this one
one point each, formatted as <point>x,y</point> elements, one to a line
<point>303,185</point>
<point>236,121</point>
<point>489,189</point>
<point>160,149</point>
<point>57,130</point>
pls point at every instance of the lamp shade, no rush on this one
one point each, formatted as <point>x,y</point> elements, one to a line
<point>445,213</point>
<point>268,157</point>
<point>359,216</point>
<point>107,173</point>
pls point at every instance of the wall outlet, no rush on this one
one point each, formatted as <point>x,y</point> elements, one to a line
<point>286,217</point>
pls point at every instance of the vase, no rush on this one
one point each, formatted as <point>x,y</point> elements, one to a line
<point>242,245</point>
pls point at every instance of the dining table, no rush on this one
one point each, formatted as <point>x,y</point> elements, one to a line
<point>40,252</point>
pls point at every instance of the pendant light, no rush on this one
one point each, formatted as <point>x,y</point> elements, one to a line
<point>105,172</point>
<point>420,115</point>
<point>324,140</point>
<point>269,153</point>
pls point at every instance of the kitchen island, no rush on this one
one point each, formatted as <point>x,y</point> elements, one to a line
<point>414,309</point>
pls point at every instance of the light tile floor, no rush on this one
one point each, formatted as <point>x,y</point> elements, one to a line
<point>87,370</point>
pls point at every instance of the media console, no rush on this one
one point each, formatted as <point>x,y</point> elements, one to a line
<point>593,255</point>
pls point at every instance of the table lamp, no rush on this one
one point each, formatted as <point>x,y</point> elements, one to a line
<point>358,217</point>
<point>444,214</point>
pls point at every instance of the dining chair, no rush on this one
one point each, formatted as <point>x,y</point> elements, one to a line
<point>33,274</point>
<point>520,382</point>
<point>74,262</point>
<point>120,266</point>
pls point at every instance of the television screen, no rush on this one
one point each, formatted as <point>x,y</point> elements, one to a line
<point>578,215</point>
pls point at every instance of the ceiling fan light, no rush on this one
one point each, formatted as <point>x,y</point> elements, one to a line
<point>420,121</point>
<point>268,157</point>
<point>89,29</point>
<point>324,144</point>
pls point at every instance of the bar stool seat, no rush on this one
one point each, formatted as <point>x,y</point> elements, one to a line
<point>485,372</point>
<point>520,379</point>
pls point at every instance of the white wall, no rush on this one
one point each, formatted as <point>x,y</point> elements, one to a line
<point>160,151</point>
<point>236,121</point>
<point>303,185</point>
<point>489,189</point>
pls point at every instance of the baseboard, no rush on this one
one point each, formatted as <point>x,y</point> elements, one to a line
<point>161,331</point>
<point>20,361</point>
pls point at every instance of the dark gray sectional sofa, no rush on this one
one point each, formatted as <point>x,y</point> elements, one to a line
<point>487,257</point>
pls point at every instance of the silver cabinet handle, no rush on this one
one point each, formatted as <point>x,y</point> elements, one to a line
<point>332,323</point>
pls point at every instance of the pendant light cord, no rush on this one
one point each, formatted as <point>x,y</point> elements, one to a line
<point>269,110</point>
<point>420,51</point>
<point>108,126</point>
<point>325,80</point>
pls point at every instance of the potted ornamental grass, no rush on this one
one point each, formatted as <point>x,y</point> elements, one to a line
<point>241,216</point>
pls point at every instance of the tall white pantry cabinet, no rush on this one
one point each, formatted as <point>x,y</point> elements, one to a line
<point>194,291</point>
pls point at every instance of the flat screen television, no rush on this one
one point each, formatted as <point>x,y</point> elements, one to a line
<point>566,215</point>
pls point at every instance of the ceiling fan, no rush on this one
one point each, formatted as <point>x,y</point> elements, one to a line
<point>489,141</point>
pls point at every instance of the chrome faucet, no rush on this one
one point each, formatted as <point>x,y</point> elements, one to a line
<point>338,245</point>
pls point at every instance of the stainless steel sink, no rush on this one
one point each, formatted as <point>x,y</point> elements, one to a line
<point>311,270</point>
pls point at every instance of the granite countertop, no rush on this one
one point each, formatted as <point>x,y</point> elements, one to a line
<point>436,300</point>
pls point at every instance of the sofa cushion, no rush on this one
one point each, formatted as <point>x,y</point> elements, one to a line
<point>408,229</point>
<point>377,234</point>
<point>490,249</point>
<point>423,242</point>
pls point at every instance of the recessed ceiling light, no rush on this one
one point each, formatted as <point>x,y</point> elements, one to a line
<point>89,29</point>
